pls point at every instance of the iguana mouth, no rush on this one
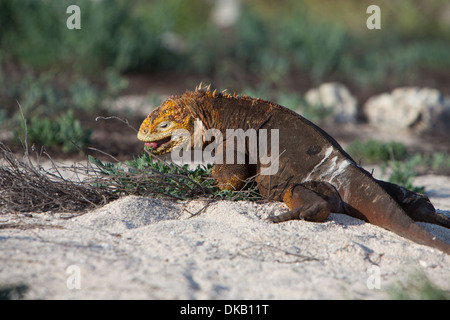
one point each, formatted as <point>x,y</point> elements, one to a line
<point>159,146</point>
<point>158,143</point>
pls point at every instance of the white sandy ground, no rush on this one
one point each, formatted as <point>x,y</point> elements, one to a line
<point>144,248</point>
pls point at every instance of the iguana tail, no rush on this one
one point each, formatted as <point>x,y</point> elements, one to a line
<point>367,200</point>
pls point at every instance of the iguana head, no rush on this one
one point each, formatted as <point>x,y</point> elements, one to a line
<point>157,129</point>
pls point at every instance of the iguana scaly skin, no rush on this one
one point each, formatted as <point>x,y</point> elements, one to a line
<point>315,176</point>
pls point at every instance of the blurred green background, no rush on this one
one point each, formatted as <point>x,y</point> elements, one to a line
<point>272,49</point>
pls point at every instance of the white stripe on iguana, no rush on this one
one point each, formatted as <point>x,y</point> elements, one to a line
<point>329,169</point>
<point>338,169</point>
<point>328,152</point>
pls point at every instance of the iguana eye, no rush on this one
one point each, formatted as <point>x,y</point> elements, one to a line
<point>164,125</point>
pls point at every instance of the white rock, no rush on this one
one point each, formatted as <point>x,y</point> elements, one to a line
<point>225,13</point>
<point>337,98</point>
<point>407,108</point>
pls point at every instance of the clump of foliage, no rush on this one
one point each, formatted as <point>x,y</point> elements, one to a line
<point>145,176</point>
<point>393,156</point>
<point>417,287</point>
<point>373,151</point>
<point>402,165</point>
<point>52,109</point>
<point>436,162</point>
<point>403,174</point>
<point>64,130</point>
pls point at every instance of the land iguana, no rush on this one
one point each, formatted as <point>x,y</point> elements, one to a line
<point>315,175</point>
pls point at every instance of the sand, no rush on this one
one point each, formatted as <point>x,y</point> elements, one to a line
<point>145,248</point>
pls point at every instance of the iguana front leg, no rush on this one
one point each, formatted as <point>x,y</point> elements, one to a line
<point>311,201</point>
<point>232,176</point>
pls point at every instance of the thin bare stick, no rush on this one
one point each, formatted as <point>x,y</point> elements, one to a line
<point>26,133</point>
<point>104,153</point>
<point>117,118</point>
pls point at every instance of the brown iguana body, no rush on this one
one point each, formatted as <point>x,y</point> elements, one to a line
<point>315,175</point>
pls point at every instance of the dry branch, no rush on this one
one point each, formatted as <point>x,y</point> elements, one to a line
<point>25,187</point>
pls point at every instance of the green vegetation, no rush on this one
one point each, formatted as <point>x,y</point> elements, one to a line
<point>417,287</point>
<point>373,151</point>
<point>145,176</point>
<point>390,154</point>
<point>52,109</point>
<point>402,174</point>
<point>402,165</point>
<point>166,35</point>
<point>64,130</point>
<point>13,291</point>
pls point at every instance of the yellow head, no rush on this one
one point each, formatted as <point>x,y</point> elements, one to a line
<point>156,130</point>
